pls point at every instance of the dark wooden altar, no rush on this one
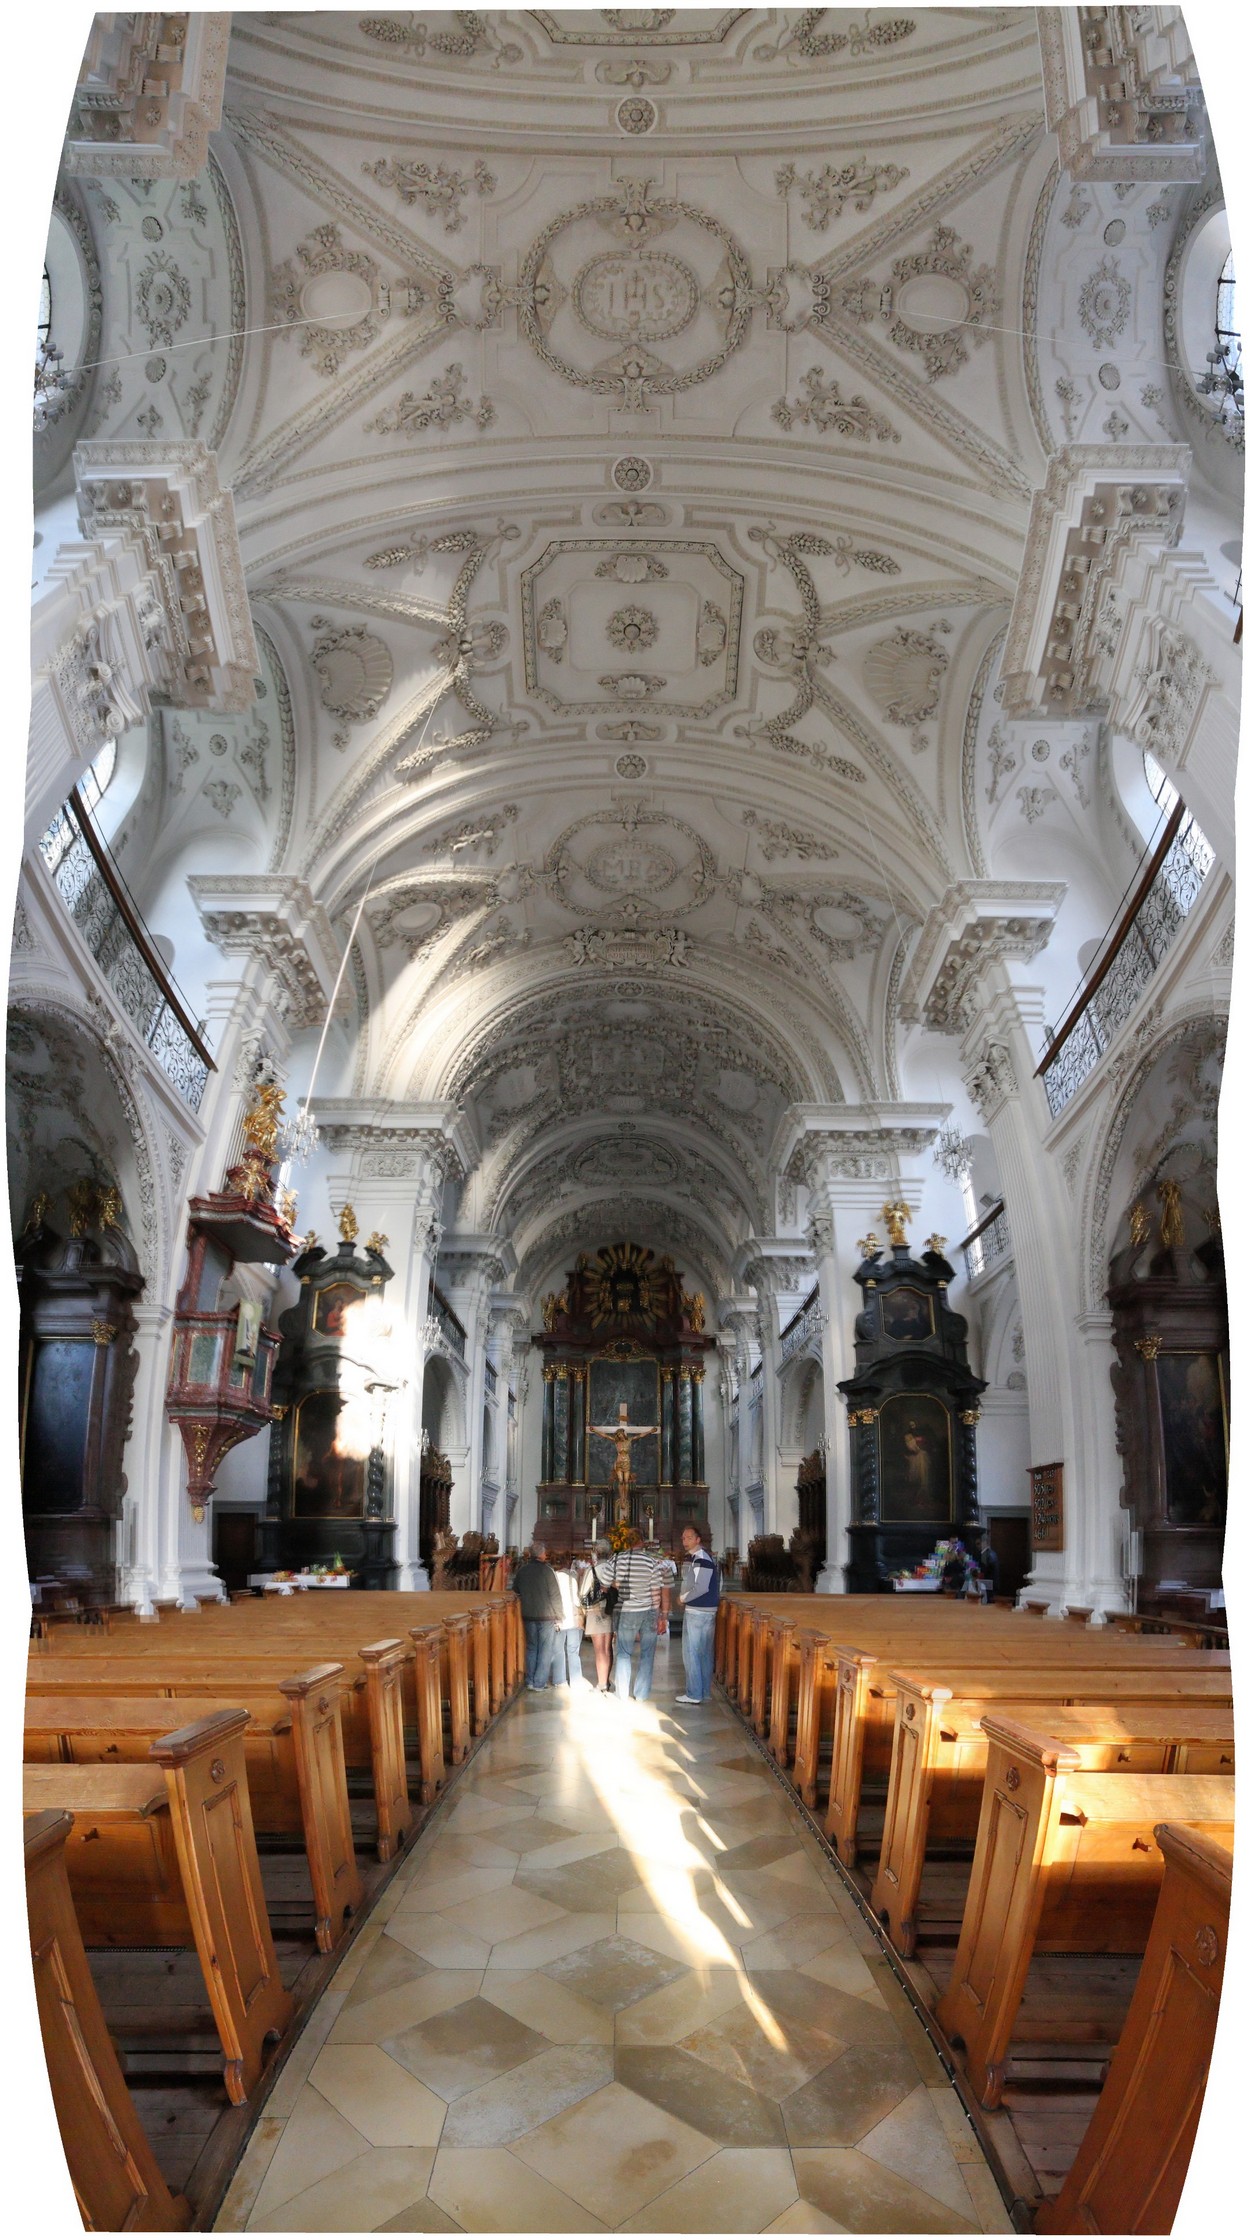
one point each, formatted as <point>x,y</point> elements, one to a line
<point>77,1365</point>
<point>813,1513</point>
<point>329,1492</point>
<point>623,1333</point>
<point>1169,1309</point>
<point>912,1412</point>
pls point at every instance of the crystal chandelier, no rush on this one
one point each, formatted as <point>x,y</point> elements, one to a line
<point>952,1153</point>
<point>52,384</point>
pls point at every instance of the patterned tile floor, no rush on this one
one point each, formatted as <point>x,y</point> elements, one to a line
<point>616,1987</point>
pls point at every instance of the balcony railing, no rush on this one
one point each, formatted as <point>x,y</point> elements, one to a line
<point>108,922</point>
<point>988,1242</point>
<point>806,1324</point>
<point>449,1323</point>
<point>1157,909</point>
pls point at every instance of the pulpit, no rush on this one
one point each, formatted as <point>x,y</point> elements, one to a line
<point>912,1411</point>
<point>623,1348</point>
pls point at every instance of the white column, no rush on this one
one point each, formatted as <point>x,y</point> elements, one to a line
<point>1071,1417</point>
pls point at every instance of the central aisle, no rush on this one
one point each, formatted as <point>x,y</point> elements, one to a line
<point>617,1985</point>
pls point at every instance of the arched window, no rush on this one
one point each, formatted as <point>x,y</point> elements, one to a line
<point>92,786</point>
<point>1227,324</point>
<point>1160,784</point>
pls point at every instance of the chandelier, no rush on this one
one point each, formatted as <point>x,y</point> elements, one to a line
<point>952,1153</point>
<point>53,385</point>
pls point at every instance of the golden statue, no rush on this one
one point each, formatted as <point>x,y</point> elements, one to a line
<point>556,1303</point>
<point>287,1206</point>
<point>377,1244</point>
<point>894,1215</point>
<point>621,1433</point>
<point>349,1227</point>
<point>41,1207</point>
<point>1139,1226</point>
<point>694,1307</point>
<point>263,1119</point>
<point>81,1199</point>
<point>869,1246</point>
<point>109,1210</point>
<point>935,1244</point>
<point>1172,1226</point>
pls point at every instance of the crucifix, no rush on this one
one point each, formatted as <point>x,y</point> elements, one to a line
<point>621,1433</point>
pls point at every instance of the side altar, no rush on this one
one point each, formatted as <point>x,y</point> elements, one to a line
<point>623,1349</point>
<point>912,1410</point>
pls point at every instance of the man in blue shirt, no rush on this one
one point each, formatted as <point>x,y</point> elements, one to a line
<point>699,1594</point>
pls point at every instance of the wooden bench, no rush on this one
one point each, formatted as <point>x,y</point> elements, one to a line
<point>113,2171</point>
<point>937,1770</point>
<point>370,1700</point>
<point>1065,1861</point>
<point>165,1854</point>
<point>865,1699</point>
<point>296,1777</point>
<point>1131,2164</point>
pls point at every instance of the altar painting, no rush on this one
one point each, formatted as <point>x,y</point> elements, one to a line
<point>917,1479</point>
<point>637,1385</point>
<point>1195,1439</point>
<point>329,1481</point>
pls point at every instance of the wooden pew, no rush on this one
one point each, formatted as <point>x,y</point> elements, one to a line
<point>865,1700</point>
<point>937,1770</point>
<point>784,1663</point>
<point>165,1854</point>
<point>297,1780</point>
<point>370,1701</point>
<point>1065,1861</point>
<point>113,2171</point>
<point>1132,2163</point>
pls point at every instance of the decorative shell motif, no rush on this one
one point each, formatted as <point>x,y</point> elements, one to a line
<point>354,670</point>
<point>904,675</point>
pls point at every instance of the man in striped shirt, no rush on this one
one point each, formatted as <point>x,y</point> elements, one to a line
<point>641,1614</point>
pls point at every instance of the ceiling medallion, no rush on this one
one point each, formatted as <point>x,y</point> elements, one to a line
<point>572,292</point>
<point>636,115</point>
<point>632,474</point>
<point>633,628</point>
<point>631,766</point>
<point>631,296</point>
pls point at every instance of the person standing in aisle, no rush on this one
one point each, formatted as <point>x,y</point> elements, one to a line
<point>541,1614</point>
<point>598,1624</point>
<point>566,1669</point>
<point>699,1595</point>
<point>641,1614</point>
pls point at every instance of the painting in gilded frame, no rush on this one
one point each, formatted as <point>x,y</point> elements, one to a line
<point>917,1462</point>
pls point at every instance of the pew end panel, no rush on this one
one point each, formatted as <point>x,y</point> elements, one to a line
<point>207,1789</point>
<point>316,1717</point>
<point>1131,2165</point>
<point>1065,1861</point>
<point>116,2181</point>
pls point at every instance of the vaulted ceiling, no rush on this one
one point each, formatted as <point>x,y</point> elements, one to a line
<point>631,450</point>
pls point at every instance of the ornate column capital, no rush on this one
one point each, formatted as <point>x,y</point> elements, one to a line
<point>169,499</point>
<point>277,921</point>
<point>1122,93</point>
<point>426,1142</point>
<point>1098,501</point>
<point>979,923</point>
<point>827,1143</point>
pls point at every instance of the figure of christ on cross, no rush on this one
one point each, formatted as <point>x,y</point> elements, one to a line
<point>620,1433</point>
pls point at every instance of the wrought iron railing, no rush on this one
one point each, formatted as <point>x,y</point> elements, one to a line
<point>109,924</point>
<point>449,1323</point>
<point>988,1242</point>
<point>1157,909</point>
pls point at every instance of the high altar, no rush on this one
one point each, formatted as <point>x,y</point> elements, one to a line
<point>623,1349</point>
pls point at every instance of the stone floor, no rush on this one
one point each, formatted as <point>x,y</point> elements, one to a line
<point>617,1986</point>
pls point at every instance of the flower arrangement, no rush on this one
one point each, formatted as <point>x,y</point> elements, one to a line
<point>619,1537</point>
